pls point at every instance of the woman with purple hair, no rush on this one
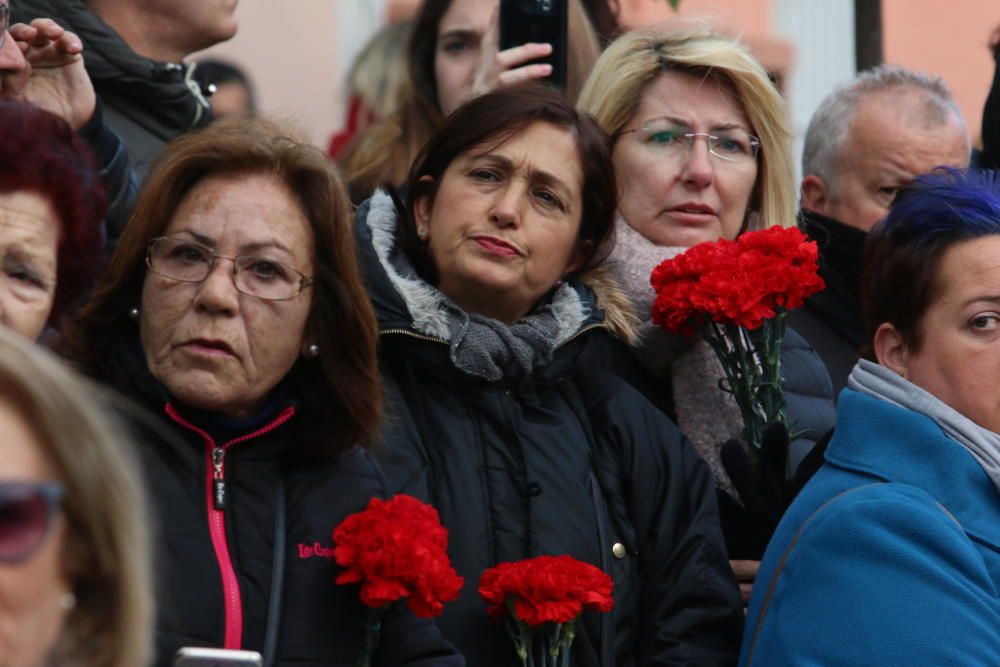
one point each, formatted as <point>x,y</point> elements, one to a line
<point>891,553</point>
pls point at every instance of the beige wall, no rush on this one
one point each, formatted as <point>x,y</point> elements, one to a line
<point>948,39</point>
<point>290,50</point>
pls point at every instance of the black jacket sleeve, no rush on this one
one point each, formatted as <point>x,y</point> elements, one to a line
<point>120,181</point>
<point>690,604</point>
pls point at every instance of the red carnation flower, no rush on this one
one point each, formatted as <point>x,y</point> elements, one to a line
<point>554,589</point>
<point>397,548</point>
<point>738,294</point>
<point>741,283</point>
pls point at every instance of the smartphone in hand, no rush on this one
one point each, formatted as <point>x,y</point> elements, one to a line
<point>539,21</point>
<point>191,656</point>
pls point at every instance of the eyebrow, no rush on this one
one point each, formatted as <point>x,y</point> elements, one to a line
<point>459,33</point>
<point>677,120</point>
<point>246,247</point>
<point>991,298</point>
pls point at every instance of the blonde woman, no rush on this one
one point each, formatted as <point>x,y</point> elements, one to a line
<point>74,553</point>
<point>702,151</point>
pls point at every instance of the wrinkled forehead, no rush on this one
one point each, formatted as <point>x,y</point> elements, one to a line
<point>693,97</point>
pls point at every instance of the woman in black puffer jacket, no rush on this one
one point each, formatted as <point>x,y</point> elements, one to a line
<point>488,291</point>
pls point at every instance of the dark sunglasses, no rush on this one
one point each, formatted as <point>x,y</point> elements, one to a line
<point>27,513</point>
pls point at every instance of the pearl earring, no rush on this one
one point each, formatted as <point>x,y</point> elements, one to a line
<point>313,350</point>
<point>133,314</point>
<point>67,601</point>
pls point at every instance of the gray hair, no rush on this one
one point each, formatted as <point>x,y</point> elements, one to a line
<point>828,128</point>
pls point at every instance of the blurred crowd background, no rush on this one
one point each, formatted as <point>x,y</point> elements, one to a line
<point>811,46</point>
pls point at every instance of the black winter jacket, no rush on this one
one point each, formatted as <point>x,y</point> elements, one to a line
<point>216,561</point>
<point>147,103</point>
<point>831,320</point>
<point>568,460</point>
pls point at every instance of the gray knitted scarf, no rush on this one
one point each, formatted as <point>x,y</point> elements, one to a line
<point>879,382</point>
<point>706,414</point>
<point>492,350</point>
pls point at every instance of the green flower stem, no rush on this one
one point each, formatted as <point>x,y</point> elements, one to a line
<point>751,361</point>
<point>372,625</point>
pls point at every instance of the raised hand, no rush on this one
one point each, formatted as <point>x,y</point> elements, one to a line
<point>55,78</point>
<point>503,68</point>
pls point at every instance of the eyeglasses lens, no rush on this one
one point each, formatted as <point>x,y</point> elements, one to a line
<point>24,521</point>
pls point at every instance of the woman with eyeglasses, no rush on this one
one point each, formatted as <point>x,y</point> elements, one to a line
<point>233,308</point>
<point>702,151</point>
<point>74,546</point>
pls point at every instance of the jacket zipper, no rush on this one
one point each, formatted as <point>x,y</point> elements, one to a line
<point>411,334</point>
<point>215,504</point>
<point>607,619</point>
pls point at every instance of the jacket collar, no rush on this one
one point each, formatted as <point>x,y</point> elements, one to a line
<point>898,445</point>
<point>163,97</point>
<point>841,255</point>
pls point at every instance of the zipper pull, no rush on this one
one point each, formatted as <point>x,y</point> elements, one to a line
<point>218,479</point>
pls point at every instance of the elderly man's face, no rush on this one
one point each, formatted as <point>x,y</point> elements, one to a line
<point>888,144</point>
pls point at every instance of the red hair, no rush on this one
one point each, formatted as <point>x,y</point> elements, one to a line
<point>41,154</point>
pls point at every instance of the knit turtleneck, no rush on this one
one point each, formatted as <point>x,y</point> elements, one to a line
<point>841,253</point>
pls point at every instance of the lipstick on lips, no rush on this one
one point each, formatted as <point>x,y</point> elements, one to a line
<point>497,246</point>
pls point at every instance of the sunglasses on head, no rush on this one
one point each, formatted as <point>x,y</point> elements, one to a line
<point>27,513</point>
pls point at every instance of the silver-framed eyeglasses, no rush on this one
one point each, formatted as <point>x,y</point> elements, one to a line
<point>734,146</point>
<point>192,262</point>
<point>4,23</point>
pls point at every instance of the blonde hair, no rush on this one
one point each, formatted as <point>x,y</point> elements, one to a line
<point>106,554</point>
<point>378,74</point>
<point>633,62</point>
<point>386,151</point>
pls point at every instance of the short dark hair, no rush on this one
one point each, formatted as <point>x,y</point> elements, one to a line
<point>40,153</point>
<point>933,213</point>
<point>339,391</point>
<point>494,118</point>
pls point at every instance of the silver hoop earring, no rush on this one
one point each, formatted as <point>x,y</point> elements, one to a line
<point>313,350</point>
<point>133,314</point>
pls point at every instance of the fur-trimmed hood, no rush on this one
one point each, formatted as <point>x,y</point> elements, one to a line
<point>403,300</point>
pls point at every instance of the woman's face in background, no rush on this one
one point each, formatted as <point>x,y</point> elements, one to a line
<point>680,197</point>
<point>958,359</point>
<point>32,613</point>
<point>456,55</point>
<point>29,240</point>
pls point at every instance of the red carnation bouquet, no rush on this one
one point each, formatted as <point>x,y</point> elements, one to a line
<point>738,294</point>
<point>540,600</point>
<point>395,548</point>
